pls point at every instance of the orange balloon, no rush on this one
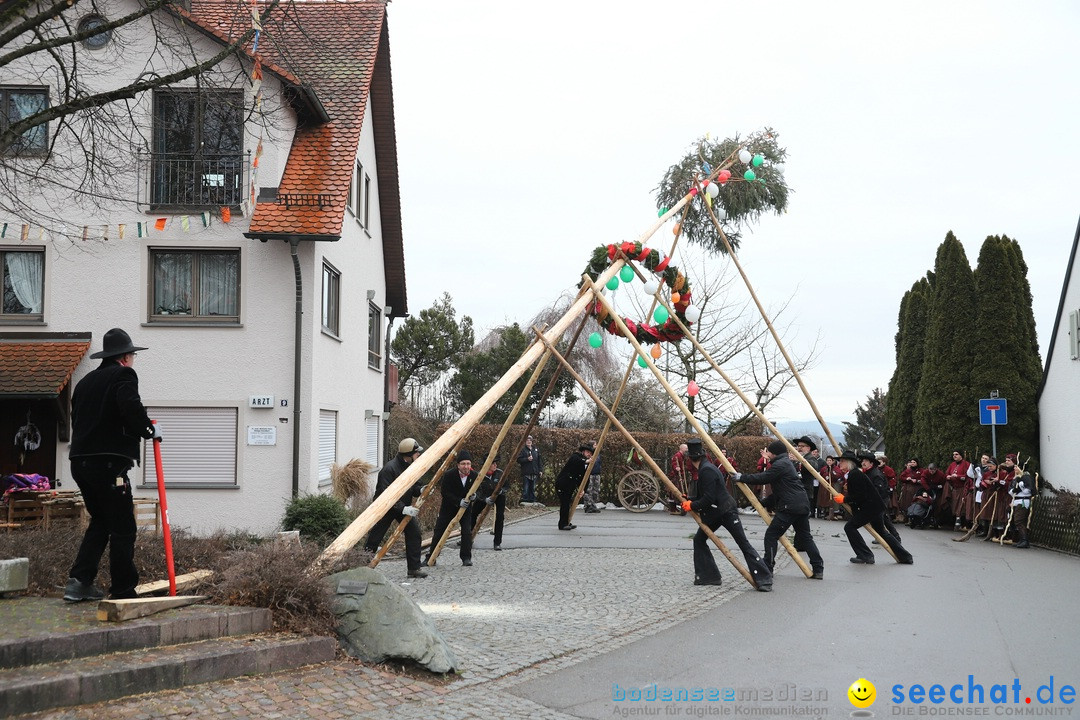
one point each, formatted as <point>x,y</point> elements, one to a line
<point>655,351</point>
<point>677,229</point>
<point>675,298</point>
<point>839,498</point>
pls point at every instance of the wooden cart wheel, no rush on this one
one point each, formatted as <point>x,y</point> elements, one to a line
<point>638,491</point>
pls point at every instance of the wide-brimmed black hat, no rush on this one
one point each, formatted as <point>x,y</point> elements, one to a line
<point>805,440</point>
<point>867,456</point>
<point>116,342</point>
<point>694,449</point>
<point>591,447</point>
<point>849,455</point>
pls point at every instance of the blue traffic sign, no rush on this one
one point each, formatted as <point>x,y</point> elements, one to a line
<point>993,411</point>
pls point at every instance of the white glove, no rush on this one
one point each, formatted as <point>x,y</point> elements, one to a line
<point>463,503</point>
<point>157,431</point>
<point>410,510</point>
<point>488,501</point>
<point>736,476</point>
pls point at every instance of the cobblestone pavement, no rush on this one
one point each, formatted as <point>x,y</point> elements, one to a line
<point>513,616</point>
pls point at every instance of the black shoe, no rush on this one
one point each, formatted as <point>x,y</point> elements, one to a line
<point>427,561</point>
<point>764,588</point>
<point>565,527</point>
<point>862,561</point>
<point>908,561</point>
<point>417,573</point>
<point>498,547</point>
<point>77,591</point>
<point>715,581</point>
<point>123,595</point>
<point>818,575</point>
<point>1022,544</point>
<point>467,563</point>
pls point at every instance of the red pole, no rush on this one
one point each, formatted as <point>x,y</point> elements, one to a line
<point>164,515</point>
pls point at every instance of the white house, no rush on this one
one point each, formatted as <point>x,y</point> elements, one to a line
<point>1059,394</point>
<point>267,327</point>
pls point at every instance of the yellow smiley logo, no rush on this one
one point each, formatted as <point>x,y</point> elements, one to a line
<point>862,693</point>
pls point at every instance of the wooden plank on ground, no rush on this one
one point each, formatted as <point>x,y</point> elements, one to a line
<point>120,610</point>
<point>182,581</point>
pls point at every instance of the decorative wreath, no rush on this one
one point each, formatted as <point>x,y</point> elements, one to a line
<point>601,259</point>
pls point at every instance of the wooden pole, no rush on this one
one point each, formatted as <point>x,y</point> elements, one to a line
<point>428,489</point>
<point>652,463</point>
<point>674,395</point>
<point>433,553</point>
<point>776,336</point>
<point>364,522</point>
<point>531,424</point>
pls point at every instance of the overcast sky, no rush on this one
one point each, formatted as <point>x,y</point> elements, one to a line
<point>530,133</point>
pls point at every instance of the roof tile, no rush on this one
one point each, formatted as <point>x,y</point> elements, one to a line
<point>38,368</point>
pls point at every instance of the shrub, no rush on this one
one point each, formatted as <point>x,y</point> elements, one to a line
<point>320,518</point>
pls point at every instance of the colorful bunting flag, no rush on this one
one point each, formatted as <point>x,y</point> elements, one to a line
<point>141,228</point>
<point>205,219</point>
<point>159,224</point>
<point>185,224</point>
<point>120,231</point>
<point>226,214</point>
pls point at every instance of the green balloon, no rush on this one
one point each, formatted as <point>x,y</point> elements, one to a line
<point>661,212</point>
<point>596,339</point>
<point>758,159</point>
<point>749,175</point>
<point>641,361</point>
<point>626,273</point>
<point>660,314</point>
<point>613,283</point>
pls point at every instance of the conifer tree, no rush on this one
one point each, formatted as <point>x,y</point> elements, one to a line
<point>904,385</point>
<point>946,412</point>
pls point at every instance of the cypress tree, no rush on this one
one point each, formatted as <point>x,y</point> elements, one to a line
<point>904,385</point>
<point>946,412</point>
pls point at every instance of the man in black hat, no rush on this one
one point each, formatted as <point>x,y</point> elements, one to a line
<point>568,481</point>
<point>408,451</point>
<point>808,449</point>
<point>792,506</point>
<point>108,420</point>
<point>716,507</point>
<point>867,508</point>
<point>455,484</point>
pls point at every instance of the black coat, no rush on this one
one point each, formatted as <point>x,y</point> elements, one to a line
<point>786,484</point>
<point>861,493</point>
<point>389,473</point>
<point>712,494</point>
<point>572,472</point>
<point>107,414</point>
<point>880,483</point>
<point>453,491</point>
<point>530,460</point>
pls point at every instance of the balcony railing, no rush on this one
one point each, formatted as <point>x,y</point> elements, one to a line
<point>205,180</point>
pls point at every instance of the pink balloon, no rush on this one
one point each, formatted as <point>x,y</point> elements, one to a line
<point>692,389</point>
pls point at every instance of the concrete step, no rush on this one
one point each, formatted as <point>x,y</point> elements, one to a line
<point>38,630</point>
<point>85,679</point>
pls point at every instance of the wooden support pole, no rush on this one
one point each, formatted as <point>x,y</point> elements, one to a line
<point>428,489</point>
<point>120,610</point>
<point>652,463</point>
<point>374,512</point>
<point>706,438</point>
<point>433,553</point>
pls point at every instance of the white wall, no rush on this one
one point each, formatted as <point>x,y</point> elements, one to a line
<point>1059,404</point>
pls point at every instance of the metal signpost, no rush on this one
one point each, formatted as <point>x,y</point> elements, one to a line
<point>993,411</point>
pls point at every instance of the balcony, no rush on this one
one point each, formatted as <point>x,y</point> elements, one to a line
<point>182,181</point>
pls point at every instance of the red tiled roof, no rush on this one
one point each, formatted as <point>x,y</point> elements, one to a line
<point>340,52</point>
<point>39,368</point>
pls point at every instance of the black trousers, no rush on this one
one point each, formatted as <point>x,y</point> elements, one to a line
<point>566,499</point>
<point>446,514</point>
<point>876,520</point>
<point>804,541</point>
<point>704,564</point>
<point>500,514</point>
<point>411,533</point>
<point>112,523</point>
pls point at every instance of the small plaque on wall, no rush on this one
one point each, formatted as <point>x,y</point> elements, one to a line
<point>261,435</point>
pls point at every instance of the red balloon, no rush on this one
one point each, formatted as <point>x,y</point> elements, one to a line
<point>692,389</point>
<point>723,176</point>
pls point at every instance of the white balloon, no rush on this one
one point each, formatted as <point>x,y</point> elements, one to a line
<point>692,313</point>
<point>713,189</point>
<point>745,157</point>
<point>721,213</point>
<point>651,286</point>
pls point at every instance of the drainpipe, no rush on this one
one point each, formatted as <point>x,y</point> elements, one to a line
<point>293,243</point>
<point>386,393</point>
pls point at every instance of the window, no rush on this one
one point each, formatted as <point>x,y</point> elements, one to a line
<point>372,450</point>
<point>360,195</point>
<point>374,353</point>
<point>1074,333</point>
<point>188,285</point>
<point>201,446</point>
<point>23,274</point>
<point>327,444</point>
<point>197,156</point>
<point>331,299</point>
<point>99,40</point>
<point>17,103</point>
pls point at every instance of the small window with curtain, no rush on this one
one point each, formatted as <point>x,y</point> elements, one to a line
<point>19,103</point>
<point>194,286</point>
<point>22,272</point>
<point>331,299</point>
<point>374,336</point>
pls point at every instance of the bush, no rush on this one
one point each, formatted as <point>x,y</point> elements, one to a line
<point>320,518</point>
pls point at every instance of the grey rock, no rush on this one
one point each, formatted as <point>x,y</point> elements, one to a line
<point>14,575</point>
<point>386,623</point>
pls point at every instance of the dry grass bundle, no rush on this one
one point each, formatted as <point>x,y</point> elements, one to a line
<point>353,483</point>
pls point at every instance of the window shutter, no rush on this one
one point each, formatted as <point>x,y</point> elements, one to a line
<point>327,444</point>
<point>372,454</point>
<point>199,446</point>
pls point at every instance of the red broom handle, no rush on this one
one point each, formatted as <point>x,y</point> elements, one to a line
<point>164,515</point>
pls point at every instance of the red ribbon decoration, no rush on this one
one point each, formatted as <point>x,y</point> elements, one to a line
<point>662,265</point>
